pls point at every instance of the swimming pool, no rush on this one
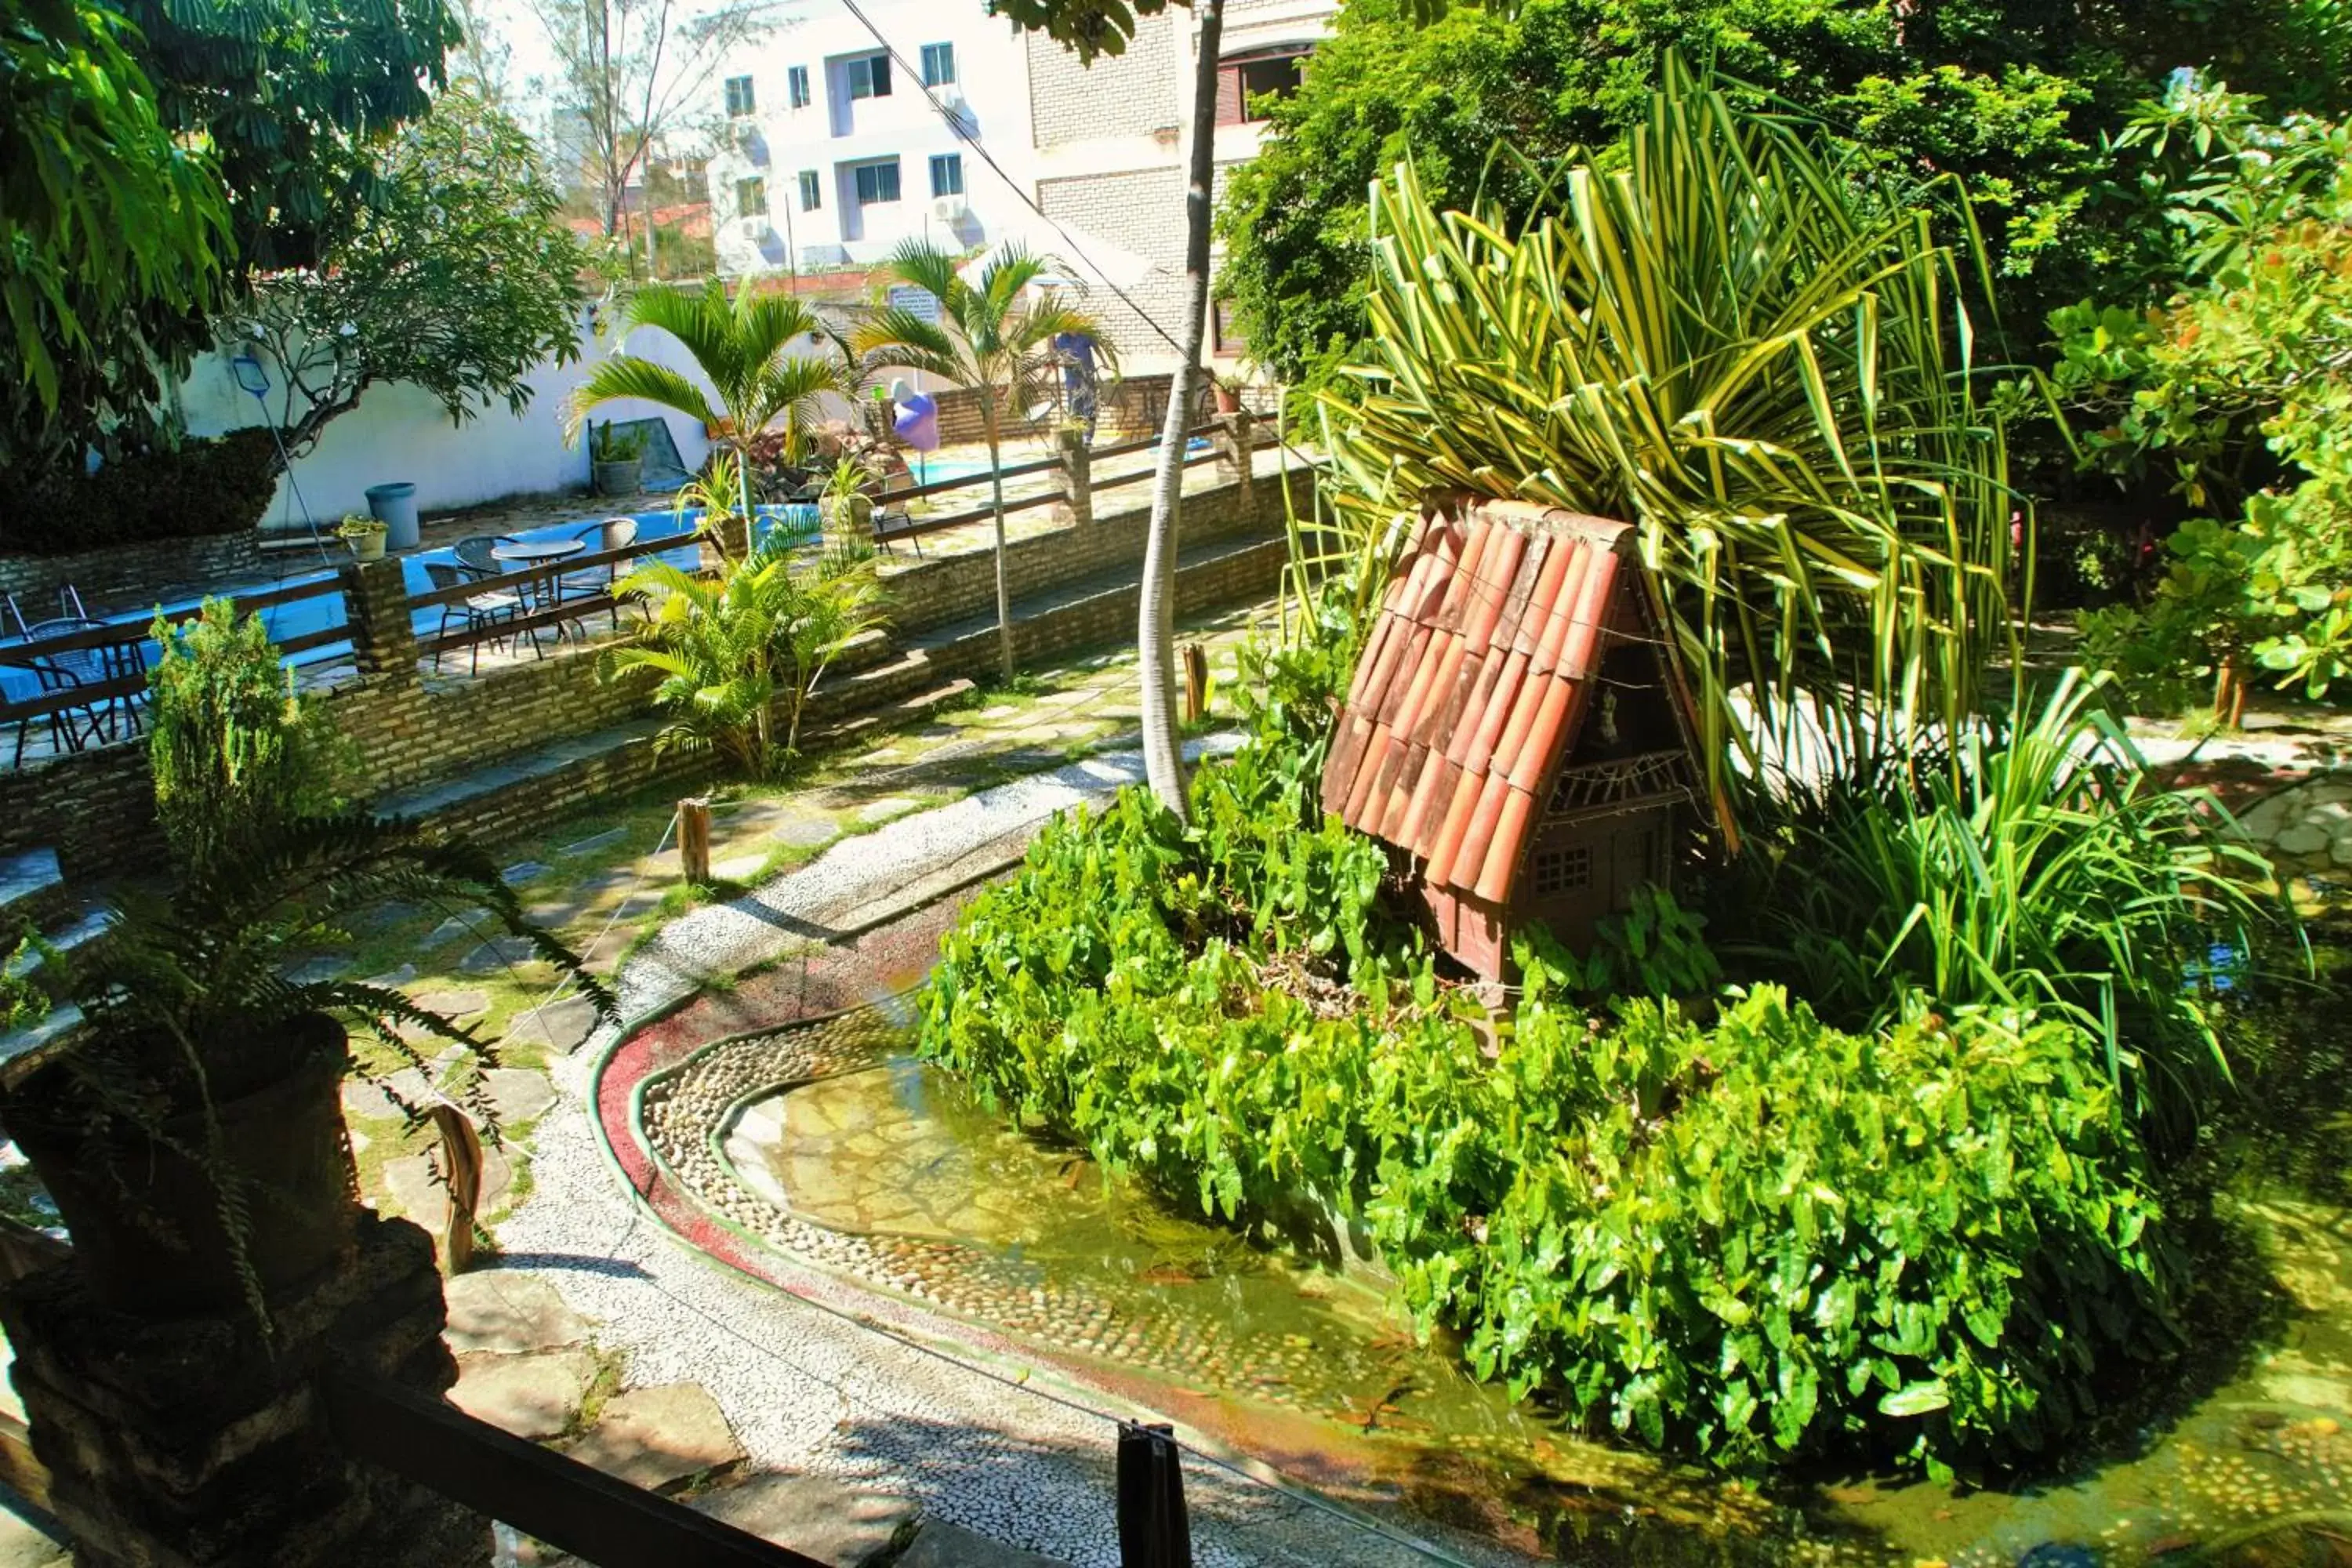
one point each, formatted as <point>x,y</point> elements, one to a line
<point>327,612</point>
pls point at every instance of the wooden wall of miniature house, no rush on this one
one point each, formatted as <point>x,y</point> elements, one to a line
<point>1618,797</point>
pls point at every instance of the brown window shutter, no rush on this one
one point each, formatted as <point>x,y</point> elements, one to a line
<point>1229,95</point>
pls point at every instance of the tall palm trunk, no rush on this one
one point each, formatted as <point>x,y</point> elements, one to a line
<point>996,485</point>
<point>1164,757</point>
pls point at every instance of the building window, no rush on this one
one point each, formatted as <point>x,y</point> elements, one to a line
<point>939,64</point>
<point>1560,871</point>
<point>1241,83</point>
<point>877,183</point>
<point>752,197</point>
<point>810,193</point>
<point>796,86</point>
<point>1225,334</point>
<point>739,101</point>
<point>947,174</point>
<point>869,75</point>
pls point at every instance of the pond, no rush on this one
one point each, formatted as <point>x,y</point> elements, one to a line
<point>834,1145</point>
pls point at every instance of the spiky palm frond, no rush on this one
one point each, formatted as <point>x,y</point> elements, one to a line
<point>614,380</point>
<point>1731,344</point>
<point>741,344</point>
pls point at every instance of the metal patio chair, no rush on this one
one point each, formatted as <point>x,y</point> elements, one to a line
<point>481,612</point>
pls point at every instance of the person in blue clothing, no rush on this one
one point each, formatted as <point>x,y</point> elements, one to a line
<point>1078,351</point>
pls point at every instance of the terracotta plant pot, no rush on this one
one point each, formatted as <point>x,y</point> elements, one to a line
<point>144,1217</point>
<point>1224,399</point>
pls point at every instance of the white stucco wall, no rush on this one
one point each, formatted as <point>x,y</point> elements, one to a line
<point>399,431</point>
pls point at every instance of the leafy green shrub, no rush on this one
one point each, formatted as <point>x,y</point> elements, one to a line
<point>738,658</point>
<point>1756,1241</point>
<point>196,489</point>
<point>2042,873</point>
<point>1770,1237</point>
<point>237,754</point>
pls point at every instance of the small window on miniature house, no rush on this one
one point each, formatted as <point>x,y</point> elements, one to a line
<point>752,197</point>
<point>1563,869</point>
<point>796,86</point>
<point>739,100</point>
<point>938,65</point>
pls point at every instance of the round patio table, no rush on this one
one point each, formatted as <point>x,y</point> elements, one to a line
<point>537,552</point>
<point>524,553</point>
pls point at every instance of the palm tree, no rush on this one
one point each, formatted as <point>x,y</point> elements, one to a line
<point>988,336</point>
<point>739,346</point>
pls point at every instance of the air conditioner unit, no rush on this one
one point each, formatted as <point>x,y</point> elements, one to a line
<point>949,95</point>
<point>950,210</point>
<point>755,228</point>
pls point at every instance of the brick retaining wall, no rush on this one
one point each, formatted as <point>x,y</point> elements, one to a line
<point>408,728</point>
<point>128,578</point>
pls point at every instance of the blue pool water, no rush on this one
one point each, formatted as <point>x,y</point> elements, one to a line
<point>326,610</point>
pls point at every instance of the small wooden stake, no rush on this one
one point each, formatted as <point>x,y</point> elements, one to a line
<point>1196,683</point>
<point>461,1170</point>
<point>694,838</point>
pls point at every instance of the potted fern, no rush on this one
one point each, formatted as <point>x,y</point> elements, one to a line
<point>190,1131</point>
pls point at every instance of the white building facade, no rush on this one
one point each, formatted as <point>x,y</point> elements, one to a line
<point>837,151</point>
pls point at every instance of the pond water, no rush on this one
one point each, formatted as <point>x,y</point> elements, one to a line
<point>1301,1360</point>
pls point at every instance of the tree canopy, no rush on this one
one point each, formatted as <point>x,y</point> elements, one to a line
<point>459,277</point>
<point>282,106</point>
<point>2015,96</point>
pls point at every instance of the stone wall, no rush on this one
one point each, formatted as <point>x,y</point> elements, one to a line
<point>96,809</point>
<point>127,577</point>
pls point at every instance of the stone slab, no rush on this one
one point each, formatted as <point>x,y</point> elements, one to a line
<point>318,970</point>
<point>462,1003</point>
<point>367,1098</point>
<point>594,842</point>
<point>844,1524</point>
<point>393,979</point>
<point>806,833</point>
<point>558,1027</point>
<point>509,1314</point>
<point>739,869</point>
<point>409,1180</point>
<point>658,1438</point>
<point>883,810</point>
<point>456,926</point>
<point>939,1544</point>
<point>522,871</point>
<point>535,1396</point>
<point>518,1094</point>
<point>499,952</point>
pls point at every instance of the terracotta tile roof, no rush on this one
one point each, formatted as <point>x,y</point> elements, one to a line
<point>1471,685</point>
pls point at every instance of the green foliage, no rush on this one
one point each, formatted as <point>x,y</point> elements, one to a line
<point>735,656</point>
<point>281,104</point>
<point>24,1002</point>
<point>189,490</point>
<point>1657,949</point>
<point>606,445</point>
<point>106,212</point>
<point>459,279</point>
<point>743,349</point>
<point>1756,1242</point>
<point>1768,1237</point>
<point>188,999</point>
<point>2037,873</point>
<point>2013,98</point>
<point>1724,344</point>
<point>236,753</point>
<point>2238,391</point>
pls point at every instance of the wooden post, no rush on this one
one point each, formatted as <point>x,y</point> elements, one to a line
<point>694,838</point>
<point>1196,683</point>
<point>461,1172</point>
<point>1154,1530</point>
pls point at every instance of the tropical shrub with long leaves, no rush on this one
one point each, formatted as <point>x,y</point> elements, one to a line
<point>742,345</point>
<point>737,657</point>
<point>2034,870</point>
<point>995,334</point>
<point>234,750</point>
<point>1724,339</point>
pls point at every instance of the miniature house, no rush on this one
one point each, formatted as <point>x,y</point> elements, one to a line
<point>1517,726</point>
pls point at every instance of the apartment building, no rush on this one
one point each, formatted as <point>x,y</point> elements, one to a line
<point>839,147</point>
